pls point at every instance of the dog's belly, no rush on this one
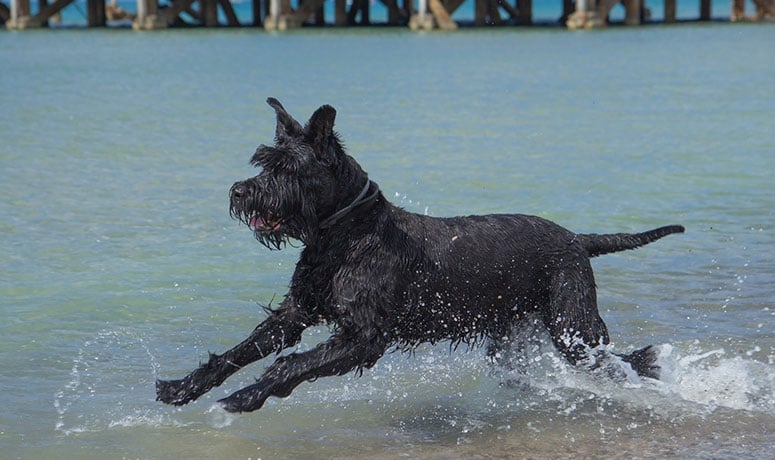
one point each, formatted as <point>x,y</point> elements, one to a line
<point>480,275</point>
<point>465,311</point>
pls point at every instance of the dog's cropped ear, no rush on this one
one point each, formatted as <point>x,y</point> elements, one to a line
<point>320,129</point>
<point>287,127</point>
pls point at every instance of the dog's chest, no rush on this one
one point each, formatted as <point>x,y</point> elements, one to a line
<point>314,284</point>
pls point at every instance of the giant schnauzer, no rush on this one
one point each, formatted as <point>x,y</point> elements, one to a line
<point>386,278</point>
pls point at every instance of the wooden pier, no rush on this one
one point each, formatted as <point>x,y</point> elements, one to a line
<point>288,14</point>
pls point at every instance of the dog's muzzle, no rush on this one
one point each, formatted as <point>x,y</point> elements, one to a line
<point>242,208</point>
<point>239,194</point>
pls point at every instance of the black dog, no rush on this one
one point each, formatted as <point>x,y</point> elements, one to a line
<point>384,277</point>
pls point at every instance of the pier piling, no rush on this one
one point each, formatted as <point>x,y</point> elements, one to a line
<point>417,14</point>
<point>705,10</point>
<point>148,16</point>
<point>21,17</point>
<point>670,11</point>
<point>585,16</point>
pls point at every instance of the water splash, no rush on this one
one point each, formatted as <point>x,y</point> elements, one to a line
<point>434,393</point>
<point>692,380</point>
<point>219,418</point>
<point>111,381</point>
<point>712,380</point>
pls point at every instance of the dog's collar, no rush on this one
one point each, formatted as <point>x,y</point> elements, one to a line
<point>359,200</point>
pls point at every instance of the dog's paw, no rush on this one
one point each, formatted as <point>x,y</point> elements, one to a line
<point>175,392</point>
<point>231,405</point>
<point>245,400</point>
<point>644,362</point>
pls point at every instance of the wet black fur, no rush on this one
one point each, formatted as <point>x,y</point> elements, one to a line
<point>384,277</point>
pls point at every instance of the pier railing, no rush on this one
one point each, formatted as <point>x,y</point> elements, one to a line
<point>288,14</point>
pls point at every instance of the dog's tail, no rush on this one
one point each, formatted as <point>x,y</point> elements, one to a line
<point>597,245</point>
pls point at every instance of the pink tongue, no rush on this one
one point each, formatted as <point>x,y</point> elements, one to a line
<point>256,221</point>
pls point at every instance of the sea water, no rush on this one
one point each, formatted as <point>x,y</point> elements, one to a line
<point>120,264</point>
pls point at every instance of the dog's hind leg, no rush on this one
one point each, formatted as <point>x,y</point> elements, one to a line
<point>572,318</point>
<point>337,356</point>
<point>643,361</point>
<point>283,328</point>
<point>576,326</point>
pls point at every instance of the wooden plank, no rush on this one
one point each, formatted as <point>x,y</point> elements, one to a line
<point>525,9</point>
<point>96,16</point>
<point>392,10</point>
<point>365,12</point>
<point>285,7</point>
<point>765,9</point>
<point>41,5</point>
<point>480,12</point>
<point>738,10</point>
<point>306,9</point>
<point>340,12</point>
<point>494,12</point>
<point>209,10</point>
<point>632,10</point>
<point>23,8</point>
<point>228,11</point>
<point>52,9</point>
<point>705,10</point>
<point>356,6</point>
<point>256,12</point>
<point>670,11</point>
<point>178,6</point>
<point>513,13</point>
<point>452,5</point>
<point>409,7</point>
<point>320,15</point>
<point>568,7</point>
<point>443,19</point>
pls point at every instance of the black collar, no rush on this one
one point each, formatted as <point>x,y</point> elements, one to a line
<point>359,200</point>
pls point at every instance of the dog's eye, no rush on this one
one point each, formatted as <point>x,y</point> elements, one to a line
<point>277,160</point>
<point>264,156</point>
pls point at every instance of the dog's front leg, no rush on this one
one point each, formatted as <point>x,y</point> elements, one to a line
<point>338,356</point>
<point>282,329</point>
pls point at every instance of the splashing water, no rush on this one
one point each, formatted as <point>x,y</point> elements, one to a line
<point>713,380</point>
<point>115,371</point>
<point>534,377</point>
<point>693,380</point>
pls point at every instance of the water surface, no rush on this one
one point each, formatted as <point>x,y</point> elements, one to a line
<point>121,265</point>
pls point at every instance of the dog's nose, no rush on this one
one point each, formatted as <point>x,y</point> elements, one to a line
<point>238,190</point>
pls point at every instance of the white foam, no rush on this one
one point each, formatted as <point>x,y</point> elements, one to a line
<point>713,380</point>
<point>148,419</point>
<point>220,418</point>
<point>698,381</point>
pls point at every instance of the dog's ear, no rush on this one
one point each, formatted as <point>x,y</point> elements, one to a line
<point>287,127</point>
<point>320,129</point>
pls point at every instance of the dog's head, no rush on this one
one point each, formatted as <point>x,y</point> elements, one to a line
<point>305,177</point>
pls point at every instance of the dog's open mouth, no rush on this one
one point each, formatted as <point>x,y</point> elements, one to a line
<point>266,223</point>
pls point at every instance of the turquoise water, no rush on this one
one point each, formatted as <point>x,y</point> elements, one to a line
<point>120,263</point>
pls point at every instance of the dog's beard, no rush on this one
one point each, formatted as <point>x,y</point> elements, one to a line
<point>277,216</point>
<point>271,240</point>
<point>267,228</point>
<point>270,229</point>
